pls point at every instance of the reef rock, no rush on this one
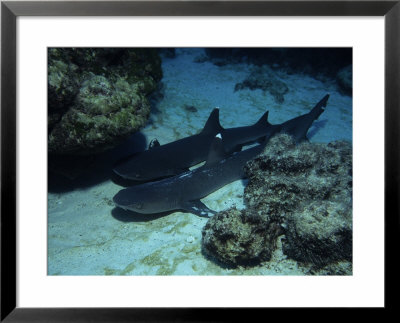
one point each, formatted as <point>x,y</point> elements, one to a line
<point>265,79</point>
<point>320,234</point>
<point>235,237</point>
<point>320,63</point>
<point>97,97</point>
<point>309,188</point>
<point>303,191</point>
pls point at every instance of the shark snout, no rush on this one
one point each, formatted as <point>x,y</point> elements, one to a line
<point>125,175</point>
<point>126,200</point>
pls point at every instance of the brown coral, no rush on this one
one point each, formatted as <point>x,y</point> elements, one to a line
<point>235,237</point>
<point>303,191</point>
<point>97,97</point>
<point>308,187</point>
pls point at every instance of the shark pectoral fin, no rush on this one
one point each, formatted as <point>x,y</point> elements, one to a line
<point>261,140</point>
<point>154,143</point>
<point>234,149</point>
<point>197,207</point>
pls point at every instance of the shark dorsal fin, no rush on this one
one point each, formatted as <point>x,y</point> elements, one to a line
<point>263,121</point>
<point>212,125</point>
<point>216,152</point>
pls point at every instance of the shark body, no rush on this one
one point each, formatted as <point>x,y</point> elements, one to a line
<point>176,157</point>
<point>184,191</point>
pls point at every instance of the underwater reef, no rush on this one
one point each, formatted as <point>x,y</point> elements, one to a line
<point>264,78</point>
<point>302,191</point>
<point>239,237</point>
<point>97,97</point>
<point>311,61</point>
<point>320,63</point>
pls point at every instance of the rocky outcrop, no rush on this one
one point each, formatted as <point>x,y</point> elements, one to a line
<point>317,62</point>
<point>235,237</point>
<point>309,186</point>
<point>265,79</point>
<point>97,97</point>
<point>303,191</point>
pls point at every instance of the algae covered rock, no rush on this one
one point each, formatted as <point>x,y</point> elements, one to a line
<point>97,96</point>
<point>265,79</point>
<point>308,186</point>
<point>303,191</point>
<point>320,233</point>
<point>235,237</point>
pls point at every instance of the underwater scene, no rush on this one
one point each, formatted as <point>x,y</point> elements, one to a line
<point>200,161</point>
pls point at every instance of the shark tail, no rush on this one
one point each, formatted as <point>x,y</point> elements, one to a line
<point>319,107</point>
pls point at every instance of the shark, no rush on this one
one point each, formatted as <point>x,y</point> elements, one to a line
<point>173,158</point>
<point>185,191</point>
<point>298,127</point>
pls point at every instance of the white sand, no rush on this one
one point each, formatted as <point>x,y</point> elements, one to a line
<point>88,236</point>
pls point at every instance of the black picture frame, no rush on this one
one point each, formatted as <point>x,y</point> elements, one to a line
<point>10,10</point>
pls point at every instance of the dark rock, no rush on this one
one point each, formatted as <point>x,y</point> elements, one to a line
<point>339,268</point>
<point>190,108</point>
<point>309,188</point>
<point>317,62</point>
<point>97,97</point>
<point>265,79</point>
<point>320,233</point>
<point>235,237</point>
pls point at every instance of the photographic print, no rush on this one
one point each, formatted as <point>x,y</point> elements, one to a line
<point>200,161</point>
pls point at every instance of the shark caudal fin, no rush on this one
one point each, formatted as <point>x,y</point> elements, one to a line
<point>299,126</point>
<point>212,125</point>
<point>319,107</point>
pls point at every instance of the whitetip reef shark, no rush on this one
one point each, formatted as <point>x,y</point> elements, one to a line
<point>176,157</point>
<point>184,191</point>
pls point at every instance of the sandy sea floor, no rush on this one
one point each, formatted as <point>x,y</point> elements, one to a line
<point>87,235</point>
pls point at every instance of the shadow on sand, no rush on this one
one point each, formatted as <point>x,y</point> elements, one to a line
<point>130,216</point>
<point>66,173</point>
